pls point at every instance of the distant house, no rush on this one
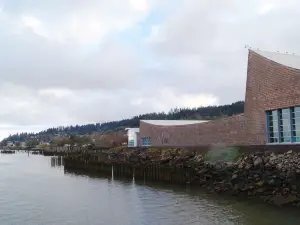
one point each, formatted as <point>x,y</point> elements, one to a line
<point>133,136</point>
<point>23,144</point>
<point>44,143</point>
<point>10,144</point>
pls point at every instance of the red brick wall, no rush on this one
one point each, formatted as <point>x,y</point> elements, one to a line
<point>228,131</point>
<point>269,86</point>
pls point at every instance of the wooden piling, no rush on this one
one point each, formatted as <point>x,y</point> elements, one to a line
<point>152,172</point>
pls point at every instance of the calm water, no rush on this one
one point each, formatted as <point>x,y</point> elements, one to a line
<point>35,190</point>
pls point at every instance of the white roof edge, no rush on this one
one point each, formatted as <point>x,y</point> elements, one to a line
<point>289,60</point>
<point>133,128</point>
<point>173,122</point>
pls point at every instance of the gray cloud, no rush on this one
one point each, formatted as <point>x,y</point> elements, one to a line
<point>74,67</point>
<point>205,44</point>
<point>39,63</point>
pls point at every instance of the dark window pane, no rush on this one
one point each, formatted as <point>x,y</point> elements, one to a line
<point>296,133</point>
<point>271,118</point>
<point>296,121</point>
<point>296,139</point>
<point>273,140</point>
<point>275,129</point>
<point>273,123</point>
<point>274,135</point>
<point>297,109</point>
<point>273,115</point>
<point>273,126</point>
<point>287,139</point>
<point>296,115</point>
<point>285,122</point>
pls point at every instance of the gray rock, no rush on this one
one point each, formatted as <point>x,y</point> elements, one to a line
<point>271,182</point>
<point>279,166</point>
<point>234,176</point>
<point>273,158</point>
<point>219,166</point>
<point>258,161</point>
<point>266,159</point>
<point>248,166</point>
<point>241,165</point>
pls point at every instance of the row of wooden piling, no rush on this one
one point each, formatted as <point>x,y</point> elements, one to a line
<point>152,172</point>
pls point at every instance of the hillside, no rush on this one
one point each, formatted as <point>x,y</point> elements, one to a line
<point>210,113</point>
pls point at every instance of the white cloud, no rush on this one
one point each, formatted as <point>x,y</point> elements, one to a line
<point>139,5</point>
<point>79,21</point>
<point>166,98</point>
<point>73,61</point>
<point>31,22</point>
<point>202,45</point>
<point>33,61</point>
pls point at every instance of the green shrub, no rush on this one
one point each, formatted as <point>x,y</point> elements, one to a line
<point>229,154</point>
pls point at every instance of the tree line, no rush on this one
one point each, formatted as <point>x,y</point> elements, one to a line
<point>206,113</point>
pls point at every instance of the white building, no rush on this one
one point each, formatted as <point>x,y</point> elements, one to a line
<point>133,136</point>
<point>10,144</point>
<point>23,144</point>
<point>44,143</point>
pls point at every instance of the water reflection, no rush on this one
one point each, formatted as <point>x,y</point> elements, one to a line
<point>34,191</point>
<point>160,203</point>
<point>56,161</point>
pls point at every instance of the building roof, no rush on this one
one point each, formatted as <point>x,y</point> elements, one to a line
<point>173,122</point>
<point>133,129</point>
<point>289,60</point>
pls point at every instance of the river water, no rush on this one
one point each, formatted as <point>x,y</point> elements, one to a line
<point>35,190</point>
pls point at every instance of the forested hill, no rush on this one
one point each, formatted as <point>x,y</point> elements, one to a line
<point>208,113</point>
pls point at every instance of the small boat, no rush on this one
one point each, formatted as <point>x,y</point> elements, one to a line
<point>8,152</point>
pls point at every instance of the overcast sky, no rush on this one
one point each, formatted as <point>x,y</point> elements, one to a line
<point>77,61</point>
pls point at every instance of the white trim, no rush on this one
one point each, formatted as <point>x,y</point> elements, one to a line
<point>289,60</point>
<point>282,143</point>
<point>173,122</point>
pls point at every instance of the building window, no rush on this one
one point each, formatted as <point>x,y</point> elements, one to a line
<point>296,124</point>
<point>146,141</point>
<point>131,143</point>
<point>283,125</point>
<point>273,126</point>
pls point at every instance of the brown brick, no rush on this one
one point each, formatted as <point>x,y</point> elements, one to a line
<point>228,131</point>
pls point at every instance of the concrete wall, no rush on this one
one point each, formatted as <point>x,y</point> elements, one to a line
<point>228,131</point>
<point>269,86</point>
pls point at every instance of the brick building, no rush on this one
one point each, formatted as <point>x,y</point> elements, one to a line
<point>271,115</point>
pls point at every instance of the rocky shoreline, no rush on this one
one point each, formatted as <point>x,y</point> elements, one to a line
<point>274,178</point>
